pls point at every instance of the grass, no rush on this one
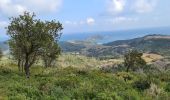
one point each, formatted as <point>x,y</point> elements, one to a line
<point>73,80</point>
<point>151,57</point>
<point>77,61</point>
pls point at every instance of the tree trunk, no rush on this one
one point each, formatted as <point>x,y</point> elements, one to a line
<point>22,65</point>
<point>26,67</point>
<point>127,70</point>
<point>19,65</point>
<point>27,71</point>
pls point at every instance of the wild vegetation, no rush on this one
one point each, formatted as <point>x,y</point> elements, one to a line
<point>133,59</point>
<point>70,76</point>
<point>76,82</point>
<point>116,49</point>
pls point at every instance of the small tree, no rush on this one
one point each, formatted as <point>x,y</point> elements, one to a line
<point>133,59</point>
<point>28,36</point>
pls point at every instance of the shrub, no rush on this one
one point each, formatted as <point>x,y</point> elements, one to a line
<point>167,88</point>
<point>130,94</point>
<point>141,84</point>
<point>124,75</point>
<point>156,93</point>
<point>108,96</point>
<point>67,82</point>
<point>18,97</point>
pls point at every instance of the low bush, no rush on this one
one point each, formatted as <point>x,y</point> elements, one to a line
<point>167,87</point>
<point>141,84</point>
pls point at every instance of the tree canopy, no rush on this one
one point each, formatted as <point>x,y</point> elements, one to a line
<point>133,60</point>
<point>29,37</point>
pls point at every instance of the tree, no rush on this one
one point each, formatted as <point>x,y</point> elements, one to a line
<point>17,54</point>
<point>133,59</point>
<point>28,36</point>
<point>50,54</point>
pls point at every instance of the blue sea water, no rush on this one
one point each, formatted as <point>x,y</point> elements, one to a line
<point>109,36</point>
<point>116,35</point>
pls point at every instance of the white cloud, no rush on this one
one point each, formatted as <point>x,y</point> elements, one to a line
<point>68,22</point>
<point>71,23</point>
<point>90,21</point>
<point>144,6</point>
<point>122,19</point>
<point>41,6</point>
<point>116,6</point>
<point>15,7</point>
<point>8,8</point>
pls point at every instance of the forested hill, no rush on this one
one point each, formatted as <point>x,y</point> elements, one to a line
<point>159,44</point>
<point>151,43</point>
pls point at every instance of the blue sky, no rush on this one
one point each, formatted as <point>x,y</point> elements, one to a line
<point>91,15</point>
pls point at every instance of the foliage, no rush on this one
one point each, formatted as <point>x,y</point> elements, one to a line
<point>79,83</point>
<point>141,84</point>
<point>133,60</point>
<point>156,44</point>
<point>167,88</point>
<point>50,53</point>
<point>28,37</point>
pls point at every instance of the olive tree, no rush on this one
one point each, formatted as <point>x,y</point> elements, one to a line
<point>28,36</point>
<point>17,54</point>
<point>50,54</point>
<point>133,59</point>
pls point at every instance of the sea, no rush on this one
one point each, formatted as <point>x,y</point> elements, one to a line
<point>109,36</point>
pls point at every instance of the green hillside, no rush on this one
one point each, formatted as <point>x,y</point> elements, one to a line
<point>152,43</point>
<point>159,44</point>
<point>78,77</point>
<point>72,81</point>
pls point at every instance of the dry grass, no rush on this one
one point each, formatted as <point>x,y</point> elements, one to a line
<point>151,57</point>
<point>111,62</point>
<point>77,61</point>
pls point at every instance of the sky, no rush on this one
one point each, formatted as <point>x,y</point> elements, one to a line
<point>79,16</point>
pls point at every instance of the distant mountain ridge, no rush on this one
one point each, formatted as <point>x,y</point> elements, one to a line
<point>155,43</point>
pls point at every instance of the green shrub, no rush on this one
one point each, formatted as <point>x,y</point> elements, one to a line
<point>67,82</point>
<point>57,92</point>
<point>155,92</point>
<point>5,70</point>
<point>167,88</point>
<point>18,97</point>
<point>141,84</point>
<point>124,75</point>
<point>130,94</point>
<point>108,96</point>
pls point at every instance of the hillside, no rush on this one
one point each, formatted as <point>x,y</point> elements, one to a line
<point>70,47</point>
<point>150,43</point>
<point>158,44</point>
<point>79,78</point>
